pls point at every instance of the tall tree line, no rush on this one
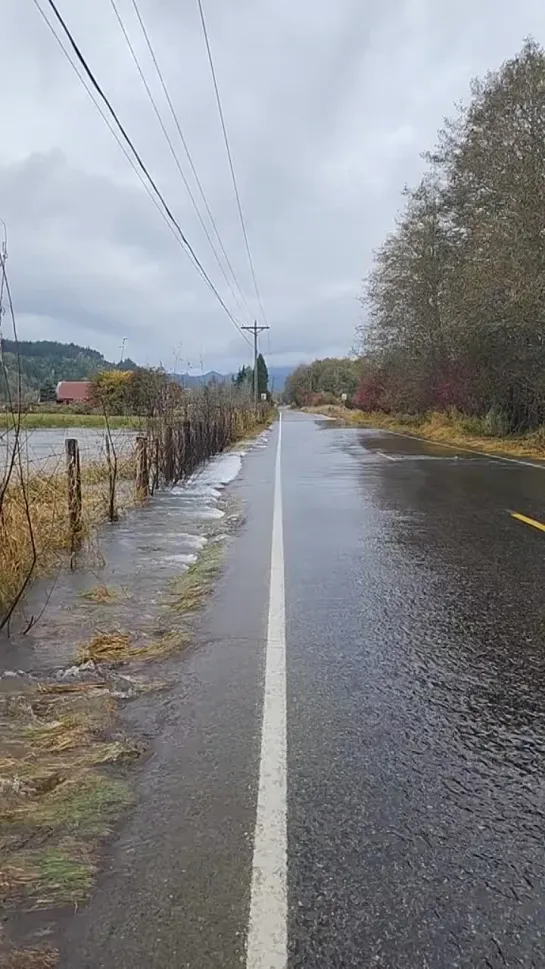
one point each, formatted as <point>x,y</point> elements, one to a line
<point>455,302</point>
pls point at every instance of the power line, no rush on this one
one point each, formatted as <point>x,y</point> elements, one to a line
<point>107,121</point>
<point>229,156</point>
<point>172,149</point>
<point>137,160</point>
<point>186,148</point>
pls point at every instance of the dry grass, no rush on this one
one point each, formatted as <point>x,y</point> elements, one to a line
<point>163,646</point>
<point>455,429</point>
<point>245,425</point>
<point>35,510</point>
<point>47,509</point>
<point>101,594</point>
<point>108,647</point>
<point>116,647</point>
<point>77,688</point>
<point>58,736</point>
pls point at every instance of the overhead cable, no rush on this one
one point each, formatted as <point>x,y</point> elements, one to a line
<point>172,149</point>
<point>186,148</point>
<point>229,156</point>
<point>138,160</point>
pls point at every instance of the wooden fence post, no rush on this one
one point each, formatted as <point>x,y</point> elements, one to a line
<point>73,467</point>
<point>156,464</point>
<point>170,469</point>
<point>188,449</point>
<point>179,462</point>
<point>112,478</point>
<point>142,471</point>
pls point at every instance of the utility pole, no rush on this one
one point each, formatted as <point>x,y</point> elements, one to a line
<point>255,329</point>
<point>123,350</point>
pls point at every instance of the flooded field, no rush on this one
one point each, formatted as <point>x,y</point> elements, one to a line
<point>44,448</point>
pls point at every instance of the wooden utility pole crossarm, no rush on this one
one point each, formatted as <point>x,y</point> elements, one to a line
<point>255,329</point>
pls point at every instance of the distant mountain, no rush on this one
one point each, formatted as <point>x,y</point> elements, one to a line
<point>46,362</point>
<point>277,378</point>
<point>200,380</point>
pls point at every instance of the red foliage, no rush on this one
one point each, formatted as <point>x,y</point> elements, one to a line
<point>450,391</point>
<point>370,395</point>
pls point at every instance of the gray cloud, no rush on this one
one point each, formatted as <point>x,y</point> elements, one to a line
<point>328,106</point>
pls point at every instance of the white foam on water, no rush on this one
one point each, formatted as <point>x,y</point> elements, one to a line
<point>205,513</point>
<point>196,489</point>
<point>220,471</point>
<point>188,559</point>
<point>194,541</point>
<point>165,559</point>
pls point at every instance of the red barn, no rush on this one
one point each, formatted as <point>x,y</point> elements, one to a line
<point>73,392</point>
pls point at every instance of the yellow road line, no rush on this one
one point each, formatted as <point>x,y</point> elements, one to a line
<point>528,521</point>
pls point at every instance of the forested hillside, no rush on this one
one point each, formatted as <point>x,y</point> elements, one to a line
<point>44,362</point>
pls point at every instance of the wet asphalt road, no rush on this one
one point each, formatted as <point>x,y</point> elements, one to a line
<point>415,725</point>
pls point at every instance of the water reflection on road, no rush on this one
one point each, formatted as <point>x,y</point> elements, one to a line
<point>459,688</point>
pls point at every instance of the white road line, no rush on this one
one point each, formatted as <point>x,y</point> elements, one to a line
<point>268,931</point>
<point>384,455</point>
<point>469,450</point>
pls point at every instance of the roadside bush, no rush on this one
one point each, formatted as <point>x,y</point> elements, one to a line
<point>321,398</point>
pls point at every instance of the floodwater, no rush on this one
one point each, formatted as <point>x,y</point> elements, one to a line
<point>418,711</point>
<point>44,448</point>
<point>135,559</point>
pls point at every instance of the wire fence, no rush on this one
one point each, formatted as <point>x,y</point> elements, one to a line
<point>60,489</point>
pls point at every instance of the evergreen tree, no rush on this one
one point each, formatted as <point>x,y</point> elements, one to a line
<point>48,392</point>
<point>262,376</point>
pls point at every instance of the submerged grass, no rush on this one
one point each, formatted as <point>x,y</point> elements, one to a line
<point>51,876</point>
<point>188,591</point>
<point>107,647</point>
<point>454,429</point>
<point>87,805</point>
<point>101,594</point>
<point>56,800</point>
<point>35,958</point>
<point>117,647</point>
<point>59,735</point>
<point>64,875</point>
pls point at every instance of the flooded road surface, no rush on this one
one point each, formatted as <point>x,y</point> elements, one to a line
<point>415,663</point>
<point>416,672</point>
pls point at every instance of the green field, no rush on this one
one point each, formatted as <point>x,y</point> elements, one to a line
<point>63,419</point>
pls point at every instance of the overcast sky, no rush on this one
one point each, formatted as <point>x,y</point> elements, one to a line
<point>328,105</point>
